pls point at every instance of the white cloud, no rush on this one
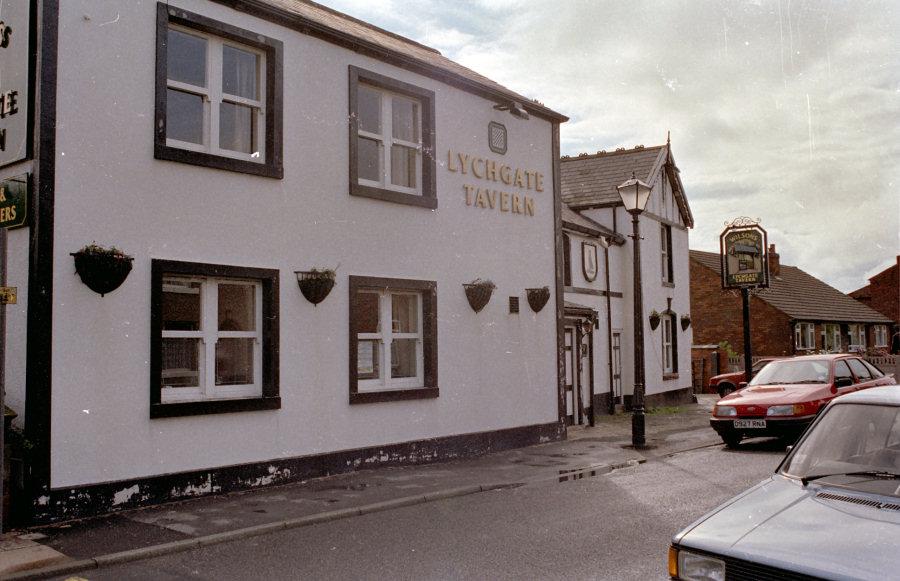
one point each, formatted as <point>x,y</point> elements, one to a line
<point>786,111</point>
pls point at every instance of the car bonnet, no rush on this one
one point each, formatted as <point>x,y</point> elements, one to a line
<point>786,525</point>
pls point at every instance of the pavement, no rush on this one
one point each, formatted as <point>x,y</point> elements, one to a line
<point>87,544</point>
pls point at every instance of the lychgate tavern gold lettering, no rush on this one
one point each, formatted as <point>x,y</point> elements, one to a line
<point>489,198</point>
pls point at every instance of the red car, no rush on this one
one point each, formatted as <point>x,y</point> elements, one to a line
<point>725,383</point>
<point>785,396</point>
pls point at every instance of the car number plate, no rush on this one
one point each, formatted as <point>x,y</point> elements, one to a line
<point>749,423</point>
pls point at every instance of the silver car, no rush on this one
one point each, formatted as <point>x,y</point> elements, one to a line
<point>830,511</point>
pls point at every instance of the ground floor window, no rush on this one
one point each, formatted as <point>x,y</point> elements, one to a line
<point>881,335</point>
<point>832,338</point>
<point>669,344</point>
<point>857,337</point>
<point>393,339</point>
<point>214,345</point>
<point>804,337</point>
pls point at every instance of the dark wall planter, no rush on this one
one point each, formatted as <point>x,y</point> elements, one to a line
<point>654,320</point>
<point>102,270</point>
<point>315,285</point>
<point>537,297</point>
<point>478,292</point>
<point>685,322</point>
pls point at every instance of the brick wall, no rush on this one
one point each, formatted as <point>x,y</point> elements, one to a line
<point>716,316</point>
<point>883,293</point>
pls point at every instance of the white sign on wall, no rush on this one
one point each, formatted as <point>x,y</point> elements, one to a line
<point>15,60</point>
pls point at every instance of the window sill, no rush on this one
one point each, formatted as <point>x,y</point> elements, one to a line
<point>217,406</point>
<point>168,153</point>
<point>668,284</point>
<point>393,395</point>
<point>668,376</point>
<point>385,195</point>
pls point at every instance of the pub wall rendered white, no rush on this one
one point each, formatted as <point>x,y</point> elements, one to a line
<point>495,370</point>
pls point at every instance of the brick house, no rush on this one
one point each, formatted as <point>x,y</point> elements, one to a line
<point>883,294</point>
<point>797,314</point>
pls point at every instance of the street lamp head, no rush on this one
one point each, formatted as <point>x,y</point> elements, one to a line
<point>634,194</point>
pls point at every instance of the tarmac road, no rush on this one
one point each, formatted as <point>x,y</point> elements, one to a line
<point>610,526</point>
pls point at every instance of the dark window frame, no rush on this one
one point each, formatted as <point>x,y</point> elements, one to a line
<point>429,338</point>
<point>428,199</point>
<point>567,260</point>
<point>270,398</point>
<point>273,166</point>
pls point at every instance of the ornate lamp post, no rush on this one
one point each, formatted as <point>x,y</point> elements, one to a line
<point>635,194</point>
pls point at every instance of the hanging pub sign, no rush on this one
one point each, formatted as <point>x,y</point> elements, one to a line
<point>14,202</point>
<point>742,248</point>
<point>15,97</point>
<point>589,261</point>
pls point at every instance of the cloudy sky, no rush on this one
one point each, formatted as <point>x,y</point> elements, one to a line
<point>782,110</point>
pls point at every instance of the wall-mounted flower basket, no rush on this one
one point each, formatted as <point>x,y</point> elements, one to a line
<point>102,269</point>
<point>654,319</point>
<point>537,297</point>
<point>315,284</point>
<point>478,292</point>
<point>685,322</point>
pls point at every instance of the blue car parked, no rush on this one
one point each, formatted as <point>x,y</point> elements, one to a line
<point>830,511</point>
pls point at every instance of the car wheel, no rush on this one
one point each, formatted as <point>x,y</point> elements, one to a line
<point>731,440</point>
<point>725,389</point>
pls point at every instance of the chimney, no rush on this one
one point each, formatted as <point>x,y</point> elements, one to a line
<point>774,264</point>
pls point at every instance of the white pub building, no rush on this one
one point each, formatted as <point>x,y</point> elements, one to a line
<point>272,209</point>
<point>599,282</point>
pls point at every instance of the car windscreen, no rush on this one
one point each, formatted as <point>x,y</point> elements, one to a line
<point>856,443</point>
<point>793,372</point>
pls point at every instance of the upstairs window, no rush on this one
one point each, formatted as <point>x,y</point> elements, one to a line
<point>392,140</point>
<point>665,243</point>
<point>218,95</point>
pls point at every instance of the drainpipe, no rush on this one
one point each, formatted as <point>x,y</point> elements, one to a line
<point>612,395</point>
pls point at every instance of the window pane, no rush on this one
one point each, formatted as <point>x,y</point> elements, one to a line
<point>403,166</point>
<point>405,313</point>
<point>237,307</point>
<point>368,109</point>
<point>405,119</point>
<point>367,359</point>
<point>186,58</point>
<point>180,363</point>
<point>180,305</point>
<point>841,370</point>
<point>184,116</point>
<point>239,72</point>
<point>403,358</point>
<point>366,313</point>
<point>369,166</point>
<point>237,128</point>
<point>234,361</point>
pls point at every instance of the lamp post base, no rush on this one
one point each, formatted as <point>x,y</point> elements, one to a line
<point>637,428</point>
